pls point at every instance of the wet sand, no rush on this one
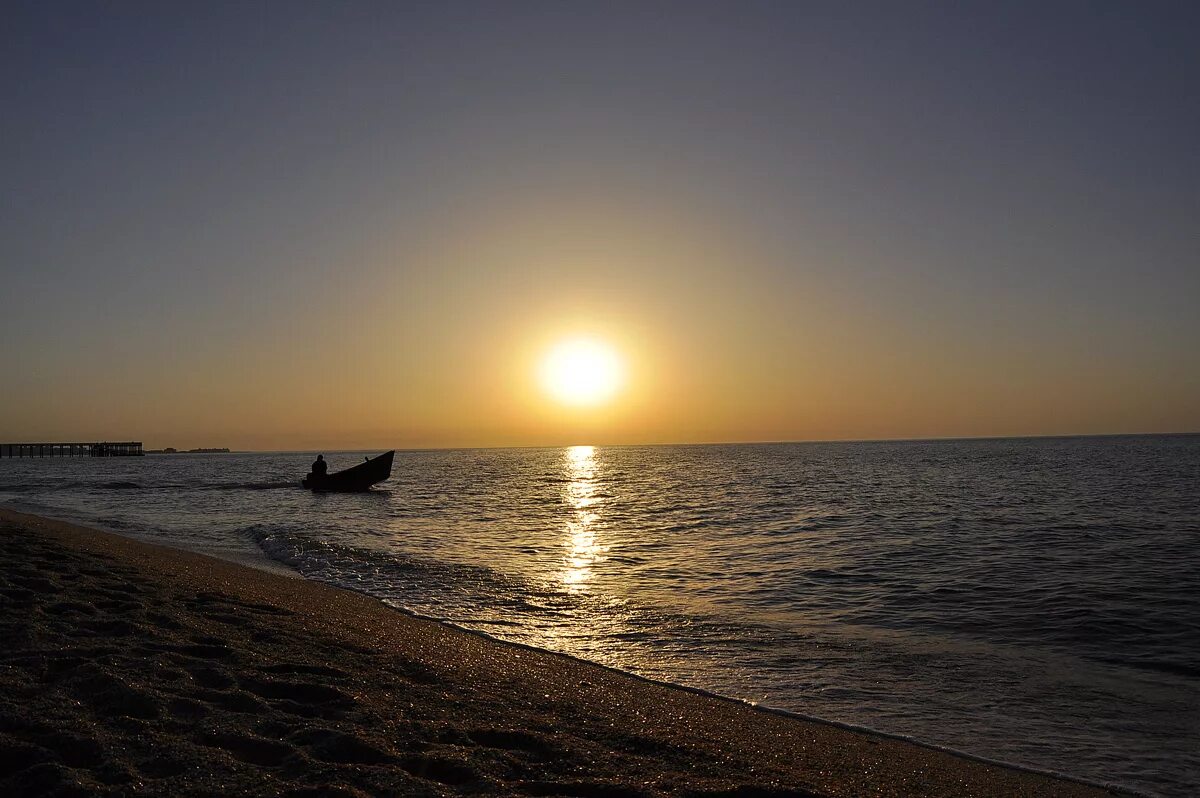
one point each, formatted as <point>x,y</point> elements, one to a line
<point>127,668</point>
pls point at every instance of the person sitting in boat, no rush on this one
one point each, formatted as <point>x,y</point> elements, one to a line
<point>319,466</point>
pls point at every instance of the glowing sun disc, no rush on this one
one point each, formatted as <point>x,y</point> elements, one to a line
<point>581,372</point>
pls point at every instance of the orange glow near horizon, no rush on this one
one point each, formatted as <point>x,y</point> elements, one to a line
<point>544,351</point>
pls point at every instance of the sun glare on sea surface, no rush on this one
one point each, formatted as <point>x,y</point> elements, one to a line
<point>581,371</point>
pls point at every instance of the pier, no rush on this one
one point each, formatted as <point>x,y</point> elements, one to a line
<point>94,449</point>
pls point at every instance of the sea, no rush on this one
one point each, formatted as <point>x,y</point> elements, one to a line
<point>1032,601</point>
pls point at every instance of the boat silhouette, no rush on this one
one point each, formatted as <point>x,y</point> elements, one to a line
<point>358,478</point>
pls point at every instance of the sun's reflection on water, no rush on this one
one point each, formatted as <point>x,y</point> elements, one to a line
<point>583,496</point>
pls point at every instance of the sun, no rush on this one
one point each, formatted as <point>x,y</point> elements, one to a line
<point>581,372</point>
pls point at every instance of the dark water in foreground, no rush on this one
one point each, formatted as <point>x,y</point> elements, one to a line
<point>1030,600</point>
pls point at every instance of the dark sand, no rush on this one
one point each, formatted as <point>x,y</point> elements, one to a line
<point>127,668</point>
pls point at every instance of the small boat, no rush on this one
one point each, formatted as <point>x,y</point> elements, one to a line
<point>360,477</point>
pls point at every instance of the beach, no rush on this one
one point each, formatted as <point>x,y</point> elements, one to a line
<point>134,668</point>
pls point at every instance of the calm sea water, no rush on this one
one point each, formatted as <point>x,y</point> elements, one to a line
<point>1035,601</point>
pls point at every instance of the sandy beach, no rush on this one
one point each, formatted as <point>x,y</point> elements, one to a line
<point>128,668</point>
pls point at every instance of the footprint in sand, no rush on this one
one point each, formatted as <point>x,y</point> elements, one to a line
<point>339,748</point>
<point>253,750</point>
<point>510,740</point>
<point>109,696</point>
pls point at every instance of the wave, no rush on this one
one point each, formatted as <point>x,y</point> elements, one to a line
<point>250,485</point>
<point>1156,666</point>
<point>387,574</point>
<point>85,486</point>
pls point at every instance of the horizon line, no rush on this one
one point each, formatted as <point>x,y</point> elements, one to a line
<point>932,439</point>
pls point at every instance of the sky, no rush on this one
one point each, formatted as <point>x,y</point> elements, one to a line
<point>347,224</point>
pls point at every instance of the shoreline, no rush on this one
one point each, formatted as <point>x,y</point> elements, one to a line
<point>265,563</point>
<point>611,732</point>
<point>1115,789</point>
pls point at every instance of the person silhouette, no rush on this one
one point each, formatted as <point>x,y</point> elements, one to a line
<point>319,466</point>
